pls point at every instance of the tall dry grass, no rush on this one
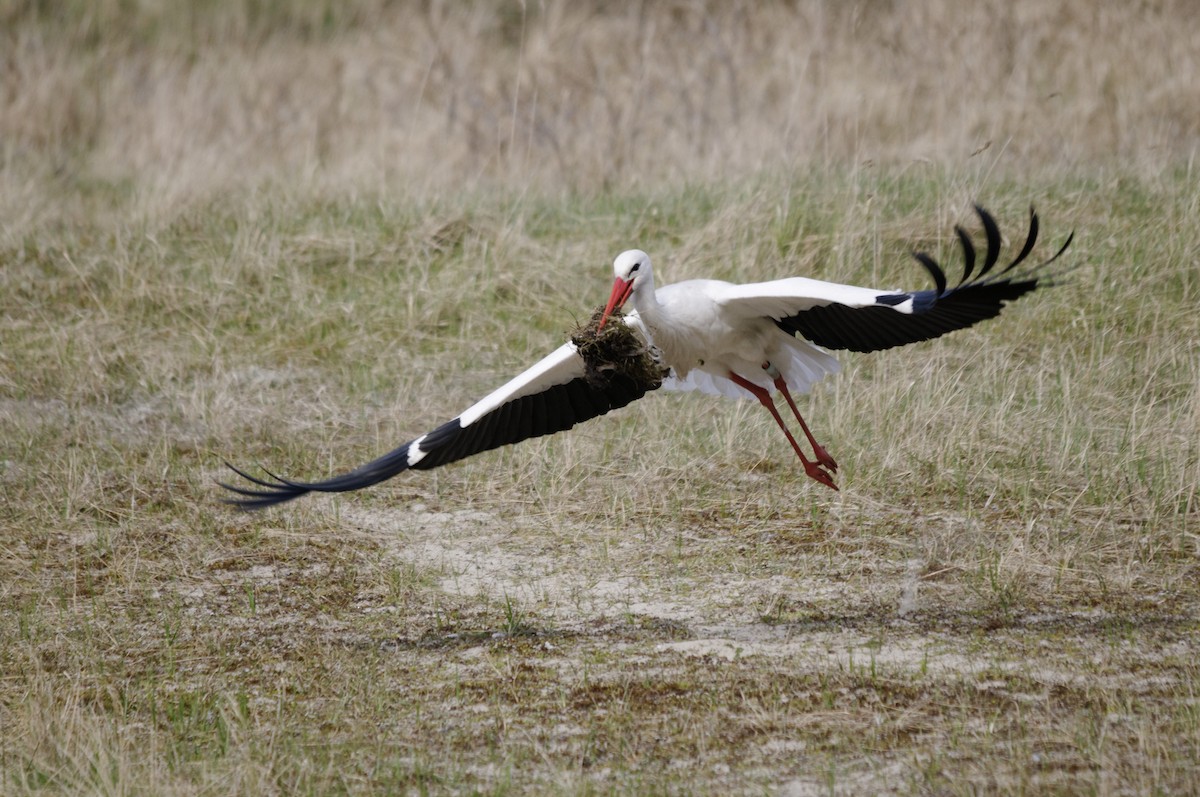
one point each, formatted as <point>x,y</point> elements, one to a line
<point>437,97</point>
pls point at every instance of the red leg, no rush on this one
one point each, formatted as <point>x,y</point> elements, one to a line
<point>813,469</point>
<point>822,455</point>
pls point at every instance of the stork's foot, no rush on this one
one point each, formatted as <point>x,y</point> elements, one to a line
<point>823,457</point>
<point>818,450</point>
<point>815,473</point>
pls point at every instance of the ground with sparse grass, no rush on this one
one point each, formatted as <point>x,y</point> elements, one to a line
<point>300,236</point>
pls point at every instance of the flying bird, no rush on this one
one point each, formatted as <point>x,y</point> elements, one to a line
<point>740,341</point>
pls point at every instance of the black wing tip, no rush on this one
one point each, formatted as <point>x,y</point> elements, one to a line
<point>253,505</point>
<point>992,235</point>
<point>968,249</point>
<point>1061,249</point>
<point>1030,241</point>
<point>934,312</point>
<point>935,271</point>
<point>274,492</point>
<point>991,232</point>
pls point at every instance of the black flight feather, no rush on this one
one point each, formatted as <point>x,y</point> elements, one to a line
<point>528,416</point>
<point>933,312</point>
<point>618,368</point>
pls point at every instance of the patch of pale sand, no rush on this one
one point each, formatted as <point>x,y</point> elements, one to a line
<point>913,654</point>
<point>466,547</point>
<point>891,777</point>
<point>839,649</point>
<point>480,554</point>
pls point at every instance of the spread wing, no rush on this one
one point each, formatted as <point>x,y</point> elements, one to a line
<point>863,319</point>
<point>553,395</point>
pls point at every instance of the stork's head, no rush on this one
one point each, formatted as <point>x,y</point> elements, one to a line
<point>631,272</point>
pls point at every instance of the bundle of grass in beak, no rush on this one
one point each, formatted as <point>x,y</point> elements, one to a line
<point>616,350</point>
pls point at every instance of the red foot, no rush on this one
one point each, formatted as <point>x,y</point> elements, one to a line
<point>816,474</point>
<point>818,450</point>
<point>813,469</point>
<point>824,458</point>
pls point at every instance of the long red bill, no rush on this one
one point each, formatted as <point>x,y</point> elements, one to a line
<point>620,293</point>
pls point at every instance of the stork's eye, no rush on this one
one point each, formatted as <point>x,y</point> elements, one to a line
<point>636,266</point>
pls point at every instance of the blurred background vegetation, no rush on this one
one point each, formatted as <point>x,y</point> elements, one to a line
<point>423,98</point>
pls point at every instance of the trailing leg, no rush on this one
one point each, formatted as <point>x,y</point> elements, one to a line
<point>811,468</point>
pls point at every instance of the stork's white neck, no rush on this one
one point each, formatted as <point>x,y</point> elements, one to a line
<point>644,299</point>
<point>674,334</point>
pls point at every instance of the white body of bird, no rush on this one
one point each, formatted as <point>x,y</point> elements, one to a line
<point>707,329</point>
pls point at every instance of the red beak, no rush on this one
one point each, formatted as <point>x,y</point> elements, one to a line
<point>620,293</point>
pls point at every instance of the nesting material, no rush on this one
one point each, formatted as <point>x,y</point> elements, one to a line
<point>615,351</point>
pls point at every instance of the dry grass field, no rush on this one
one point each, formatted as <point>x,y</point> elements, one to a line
<point>300,234</point>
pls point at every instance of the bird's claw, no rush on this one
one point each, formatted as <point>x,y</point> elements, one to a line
<point>824,458</point>
<point>815,473</point>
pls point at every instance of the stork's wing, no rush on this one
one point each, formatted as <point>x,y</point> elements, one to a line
<point>549,397</point>
<point>862,319</point>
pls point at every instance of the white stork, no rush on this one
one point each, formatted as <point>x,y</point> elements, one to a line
<point>732,340</point>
